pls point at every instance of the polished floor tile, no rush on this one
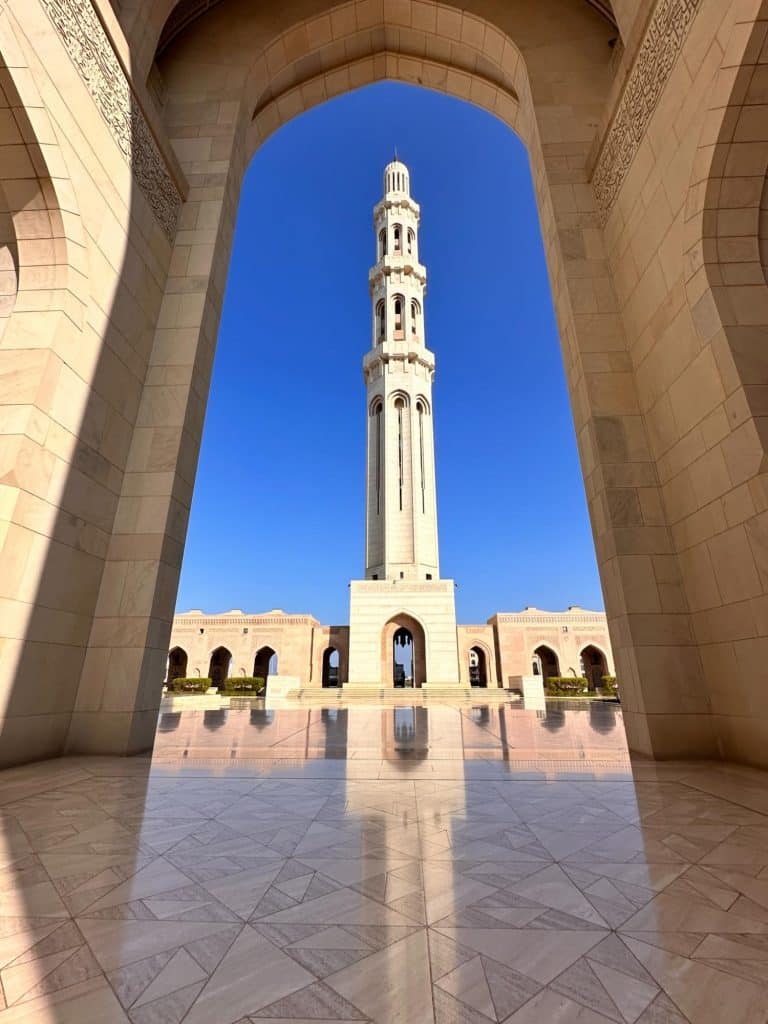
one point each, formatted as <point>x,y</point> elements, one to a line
<point>426,865</point>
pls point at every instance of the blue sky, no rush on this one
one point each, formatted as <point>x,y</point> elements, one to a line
<point>278,512</point>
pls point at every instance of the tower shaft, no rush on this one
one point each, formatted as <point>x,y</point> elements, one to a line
<point>401,499</point>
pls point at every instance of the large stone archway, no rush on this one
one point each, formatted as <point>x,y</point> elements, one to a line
<point>648,162</point>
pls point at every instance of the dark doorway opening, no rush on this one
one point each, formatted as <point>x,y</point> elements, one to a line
<point>218,669</point>
<point>331,667</point>
<point>177,664</point>
<point>265,663</point>
<point>478,667</point>
<point>593,666</point>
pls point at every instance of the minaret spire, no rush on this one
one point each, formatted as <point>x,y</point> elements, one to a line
<point>401,508</point>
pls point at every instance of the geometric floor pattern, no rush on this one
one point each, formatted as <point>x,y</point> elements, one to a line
<point>164,891</point>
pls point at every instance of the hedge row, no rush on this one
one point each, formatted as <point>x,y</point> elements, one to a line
<point>190,684</point>
<point>232,685</point>
<point>242,685</point>
<point>565,686</point>
<point>562,686</point>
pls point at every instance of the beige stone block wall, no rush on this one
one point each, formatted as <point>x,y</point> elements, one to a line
<point>372,604</point>
<point>88,258</point>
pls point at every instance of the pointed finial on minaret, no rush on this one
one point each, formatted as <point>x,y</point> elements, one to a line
<point>395,152</point>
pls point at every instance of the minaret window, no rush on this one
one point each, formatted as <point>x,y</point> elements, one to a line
<point>397,235</point>
<point>399,406</point>
<point>382,243</point>
<point>381,320</point>
<point>415,312</point>
<point>420,411</point>
<point>411,241</point>
<point>377,457</point>
<point>399,317</point>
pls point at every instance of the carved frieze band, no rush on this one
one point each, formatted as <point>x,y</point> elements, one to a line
<point>91,52</point>
<point>656,57</point>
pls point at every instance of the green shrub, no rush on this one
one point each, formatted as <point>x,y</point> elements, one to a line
<point>608,686</point>
<point>565,686</point>
<point>189,684</point>
<point>245,686</point>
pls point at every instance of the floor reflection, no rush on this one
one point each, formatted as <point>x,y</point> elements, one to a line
<point>380,865</point>
<point>497,732</point>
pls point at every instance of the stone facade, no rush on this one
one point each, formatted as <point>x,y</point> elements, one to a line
<point>646,128</point>
<point>508,642</point>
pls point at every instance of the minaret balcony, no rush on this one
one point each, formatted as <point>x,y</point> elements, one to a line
<point>409,351</point>
<point>397,264</point>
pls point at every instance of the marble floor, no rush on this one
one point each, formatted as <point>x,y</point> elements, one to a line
<point>386,865</point>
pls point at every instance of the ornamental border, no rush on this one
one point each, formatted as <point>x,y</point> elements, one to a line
<point>90,50</point>
<point>657,56</point>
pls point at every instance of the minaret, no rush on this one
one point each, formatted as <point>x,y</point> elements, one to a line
<point>402,616</point>
<point>401,506</point>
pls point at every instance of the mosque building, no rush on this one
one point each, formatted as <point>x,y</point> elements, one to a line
<point>402,628</point>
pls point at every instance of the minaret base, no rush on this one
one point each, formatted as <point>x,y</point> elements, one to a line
<point>426,608</point>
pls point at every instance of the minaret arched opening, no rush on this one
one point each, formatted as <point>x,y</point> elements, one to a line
<point>398,317</point>
<point>403,652</point>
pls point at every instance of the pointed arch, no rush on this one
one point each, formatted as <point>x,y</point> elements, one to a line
<point>545,662</point>
<point>177,664</point>
<point>398,629</point>
<point>218,666</point>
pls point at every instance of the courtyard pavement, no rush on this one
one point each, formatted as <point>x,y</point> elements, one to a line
<point>458,865</point>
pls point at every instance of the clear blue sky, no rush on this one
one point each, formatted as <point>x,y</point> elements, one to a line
<point>278,514</point>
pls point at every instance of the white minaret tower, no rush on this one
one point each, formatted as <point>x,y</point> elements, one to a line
<point>401,504</point>
<point>402,616</point>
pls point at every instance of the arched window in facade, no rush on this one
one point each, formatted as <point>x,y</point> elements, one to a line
<point>411,242</point>
<point>381,320</point>
<point>382,243</point>
<point>398,307</point>
<point>415,316</point>
<point>397,240</point>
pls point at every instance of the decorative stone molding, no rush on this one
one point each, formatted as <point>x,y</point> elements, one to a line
<point>184,620</point>
<point>557,619</point>
<point>656,57</point>
<point>91,52</point>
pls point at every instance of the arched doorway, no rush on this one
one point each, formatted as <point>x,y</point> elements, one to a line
<point>265,663</point>
<point>478,667</point>
<point>545,663</point>
<point>402,657</point>
<point>331,667</point>
<point>218,667</point>
<point>403,652</point>
<point>177,664</point>
<point>593,666</point>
